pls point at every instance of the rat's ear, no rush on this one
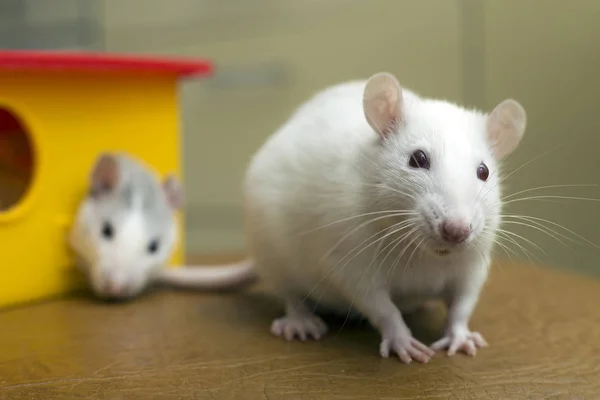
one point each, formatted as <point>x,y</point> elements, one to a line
<point>174,191</point>
<point>105,174</point>
<point>382,103</point>
<point>505,127</point>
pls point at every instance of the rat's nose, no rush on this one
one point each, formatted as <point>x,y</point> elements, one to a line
<point>455,232</point>
<point>114,288</point>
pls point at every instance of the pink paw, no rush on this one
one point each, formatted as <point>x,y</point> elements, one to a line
<point>460,340</point>
<point>407,348</point>
<point>299,326</point>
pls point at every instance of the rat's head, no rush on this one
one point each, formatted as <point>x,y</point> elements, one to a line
<point>130,226</point>
<point>438,163</point>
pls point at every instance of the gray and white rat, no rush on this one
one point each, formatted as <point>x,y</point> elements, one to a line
<point>374,200</point>
<point>125,231</point>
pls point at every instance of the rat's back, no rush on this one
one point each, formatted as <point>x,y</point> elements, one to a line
<point>303,177</point>
<point>313,146</point>
<point>308,157</point>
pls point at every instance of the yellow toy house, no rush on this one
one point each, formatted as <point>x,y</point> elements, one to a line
<point>58,112</point>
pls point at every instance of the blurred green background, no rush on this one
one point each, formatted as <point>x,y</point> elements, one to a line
<point>272,54</point>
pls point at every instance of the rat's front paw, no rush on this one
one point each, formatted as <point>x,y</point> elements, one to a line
<point>299,326</point>
<point>460,339</point>
<point>406,347</point>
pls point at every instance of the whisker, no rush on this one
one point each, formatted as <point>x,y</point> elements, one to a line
<point>352,231</point>
<point>533,219</point>
<point>331,269</point>
<point>396,228</point>
<point>506,248</point>
<point>335,266</point>
<point>507,232</point>
<point>538,226</point>
<point>399,258</point>
<point>547,187</point>
<point>378,253</point>
<point>496,237</point>
<point>405,225</point>
<point>503,247</point>
<point>399,242</point>
<point>388,214</point>
<point>396,243</point>
<point>507,236</point>
<point>520,167</point>
<point>383,186</point>
<point>551,197</point>
<point>543,231</point>
<point>415,249</point>
<point>481,252</point>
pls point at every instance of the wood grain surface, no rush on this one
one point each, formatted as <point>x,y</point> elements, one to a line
<point>543,327</point>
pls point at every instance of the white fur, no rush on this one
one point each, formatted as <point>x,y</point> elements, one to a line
<point>312,173</point>
<point>122,262</point>
<point>328,164</point>
<point>209,277</point>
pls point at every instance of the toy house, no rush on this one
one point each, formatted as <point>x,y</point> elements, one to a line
<point>58,111</point>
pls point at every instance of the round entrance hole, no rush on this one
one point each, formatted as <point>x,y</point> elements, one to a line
<point>17,160</point>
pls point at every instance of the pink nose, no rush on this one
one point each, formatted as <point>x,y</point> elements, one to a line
<point>113,289</point>
<point>455,232</point>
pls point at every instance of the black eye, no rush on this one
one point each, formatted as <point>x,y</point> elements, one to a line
<point>418,159</point>
<point>483,172</point>
<point>107,230</point>
<point>153,246</point>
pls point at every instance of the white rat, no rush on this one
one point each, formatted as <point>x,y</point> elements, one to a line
<point>374,200</point>
<point>125,231</point>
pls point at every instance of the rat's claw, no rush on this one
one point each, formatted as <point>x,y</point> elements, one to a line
<point>470,348</point>
<point>317,328</point>
<point>423,348</point>
<point>291,331</point>
<point>460,339</point>
<point>403,355</point>
<point>478,339</point>
<point>455,344</point>
<point>441,344</point>
<point>407,349</point>
<point>299,326</point>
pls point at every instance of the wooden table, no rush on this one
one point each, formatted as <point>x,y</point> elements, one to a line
<point>543,327</point>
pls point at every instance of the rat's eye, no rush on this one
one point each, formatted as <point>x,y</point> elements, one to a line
<point>483,172</point>
<point>107,230</point>
<point>418,159</point>
<point>153,246</point>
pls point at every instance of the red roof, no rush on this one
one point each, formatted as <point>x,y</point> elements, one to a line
<point>98,62</point>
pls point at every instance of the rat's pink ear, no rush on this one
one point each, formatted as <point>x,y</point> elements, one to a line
<point>105,174</point>
<point>505,127</point>
<point>174,191</point>
<point>382,103</point>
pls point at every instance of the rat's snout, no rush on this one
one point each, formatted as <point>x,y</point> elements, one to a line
<point>114,289</point>
<point>111,284</point>
<point>455,231</point>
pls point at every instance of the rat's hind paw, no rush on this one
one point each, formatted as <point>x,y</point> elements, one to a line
<point>299,326</point>
<point>460,340</point>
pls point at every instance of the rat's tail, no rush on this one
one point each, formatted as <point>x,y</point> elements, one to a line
<point>226,276</point>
